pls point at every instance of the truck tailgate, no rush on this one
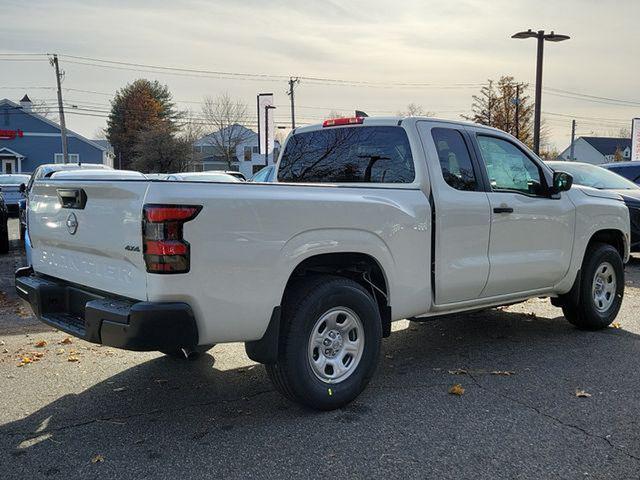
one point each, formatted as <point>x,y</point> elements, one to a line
<point>89,232</point>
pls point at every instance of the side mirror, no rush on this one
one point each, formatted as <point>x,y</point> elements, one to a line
<point>562,182</point>
<point>23,188</point>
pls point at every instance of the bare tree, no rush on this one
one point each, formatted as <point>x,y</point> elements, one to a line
<point>41,108</point>
<point>159,150</point>
<point>191,130</point>
<point>415,110</point>
<point>225,117</point>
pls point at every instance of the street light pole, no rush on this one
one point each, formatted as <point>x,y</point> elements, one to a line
<point>266,132</point>
<point>541,38</point>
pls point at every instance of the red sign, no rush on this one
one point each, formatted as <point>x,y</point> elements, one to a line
<point>11,134</point>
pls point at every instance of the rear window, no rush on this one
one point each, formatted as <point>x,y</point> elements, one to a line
<point>367,154</point>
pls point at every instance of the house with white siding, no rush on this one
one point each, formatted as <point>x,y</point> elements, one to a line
<point>597,150</point>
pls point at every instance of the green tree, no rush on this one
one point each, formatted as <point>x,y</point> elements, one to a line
<point>506,105</point>
<point>141,106</point>
<point>159,150</point>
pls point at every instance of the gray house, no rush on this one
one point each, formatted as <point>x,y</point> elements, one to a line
<point>597,150</point>
<point>247,159</point>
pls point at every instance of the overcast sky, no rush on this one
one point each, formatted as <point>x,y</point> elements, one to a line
<point>444,43</point>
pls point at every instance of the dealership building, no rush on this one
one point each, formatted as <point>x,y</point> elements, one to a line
<point>28,139</point>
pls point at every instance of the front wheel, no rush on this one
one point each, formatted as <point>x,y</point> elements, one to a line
<point>601,289</point>
<point>331,334</point>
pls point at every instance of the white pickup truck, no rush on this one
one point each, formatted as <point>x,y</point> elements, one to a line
<point>372,220</point>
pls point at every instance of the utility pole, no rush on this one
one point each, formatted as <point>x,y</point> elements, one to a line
<point>573,139</point>
<point>292,83</point>
<point>63,127</point>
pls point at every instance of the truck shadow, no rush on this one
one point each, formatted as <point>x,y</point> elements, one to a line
<point>162,401</point>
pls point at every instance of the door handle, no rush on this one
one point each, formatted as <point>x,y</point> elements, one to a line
<point>72,197</point>
<point>503,210</point>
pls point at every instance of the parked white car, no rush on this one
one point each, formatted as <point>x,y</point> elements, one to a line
<point>371,220</point>
<point>209,176</point>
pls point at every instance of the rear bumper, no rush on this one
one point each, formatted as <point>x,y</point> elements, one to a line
<point>96,318</point>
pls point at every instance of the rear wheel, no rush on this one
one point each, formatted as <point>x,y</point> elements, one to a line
<point>601,289</point>
<point>330,342</point>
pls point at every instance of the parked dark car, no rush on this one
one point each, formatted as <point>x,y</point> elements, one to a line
<point>604,179</point>
<point>10,185</point>
<point>4,228</point>
<point>629,170</point>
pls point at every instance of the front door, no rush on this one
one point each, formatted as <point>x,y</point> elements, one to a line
<point>531,233</point>
<point>8,165</point>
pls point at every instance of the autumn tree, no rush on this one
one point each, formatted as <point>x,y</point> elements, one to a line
<point>141,106</point>
<point>226,118</point>
<point>506,105</point>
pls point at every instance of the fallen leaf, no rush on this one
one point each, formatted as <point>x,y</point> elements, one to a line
<point>582,393</point>
<point>60,351</point>
<point>5,350</point>
<point>457,389</point>
<point>458,371</point>
<point>120,389</point>
<point>616,325</point>
<point>389,356</point>
<point>37,355</point>
<point>97,459</point>
<point>2,342</point>
<point>72,358</point>
<point>41,343</point>
<point>25,361</point>
<point>504,373</point>
<point>66,341</point>
<point>161,380</point>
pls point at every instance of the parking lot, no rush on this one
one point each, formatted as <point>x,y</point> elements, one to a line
<point>70,409</point>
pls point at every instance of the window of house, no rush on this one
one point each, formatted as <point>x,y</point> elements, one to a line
<point>367,154</point>
<point>256,149</point>
<point>73,158</point>
<point>455,160</point>
<point>247,154</point>
<point>508,167</point>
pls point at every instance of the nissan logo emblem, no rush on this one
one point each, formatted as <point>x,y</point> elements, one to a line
<point>72,223</point>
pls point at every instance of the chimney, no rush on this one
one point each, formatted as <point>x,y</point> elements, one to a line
<point>26,104</point>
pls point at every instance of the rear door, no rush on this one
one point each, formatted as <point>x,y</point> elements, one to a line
<point>460,241</point>
<point>531,232</point>
<point>89,232</point>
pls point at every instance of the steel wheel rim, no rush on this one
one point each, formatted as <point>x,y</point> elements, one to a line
<point>603,287</point>
<point>336,344</point>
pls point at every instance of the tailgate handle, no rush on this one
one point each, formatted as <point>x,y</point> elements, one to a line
<point>72,198</point>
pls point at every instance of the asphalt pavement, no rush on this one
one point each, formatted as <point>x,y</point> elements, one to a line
<point>78,410</point>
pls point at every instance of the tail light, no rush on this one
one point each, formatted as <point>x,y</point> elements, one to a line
<point>337,122</point>
<point>164,247</point>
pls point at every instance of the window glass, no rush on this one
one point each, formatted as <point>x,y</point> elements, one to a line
<point>455,161</point>
<point>353,154</point>
<point>508,167</point>
<point>247,154</point>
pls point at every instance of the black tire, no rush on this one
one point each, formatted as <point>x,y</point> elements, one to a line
<point>188,353</point>
<point>4,239</point>
<point>585,313</point>
<point>305,303</point>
